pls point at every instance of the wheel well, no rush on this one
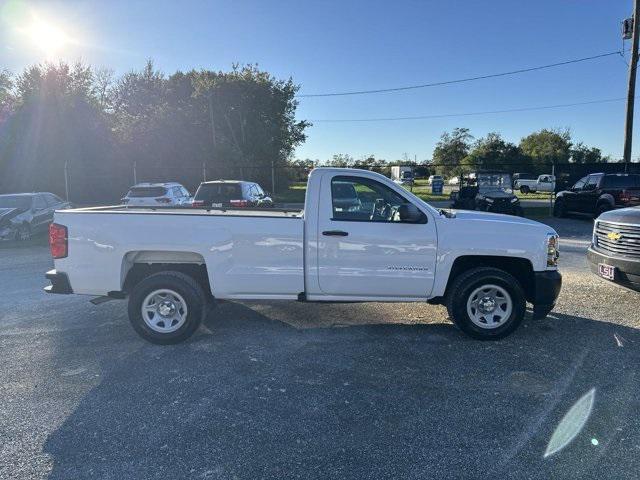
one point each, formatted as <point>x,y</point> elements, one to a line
<point>520,268</point>
<point>140,271</point>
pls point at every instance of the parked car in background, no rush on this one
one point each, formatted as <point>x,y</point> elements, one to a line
<point>544,183</point>
<point>231,194</point>
<point>23,215</point>
<point>157,195</point>
<point>402,175</point>
<point>522,176</point>
<point>487,191</point>
<point>615,247</point>
<point>598,193</point>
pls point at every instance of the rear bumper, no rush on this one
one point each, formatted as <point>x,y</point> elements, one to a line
<point>547,290</point>
<point>59,282</point>
<point>627,270</point>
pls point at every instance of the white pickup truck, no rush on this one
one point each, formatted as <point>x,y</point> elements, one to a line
<point>544,183</point>
<point>360,238</point>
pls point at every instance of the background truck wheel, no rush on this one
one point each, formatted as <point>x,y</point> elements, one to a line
<point>603,207</point>
<point>559,210</point>
<point>525,189</point>
<point>167,307</point>
<point>486,303</point>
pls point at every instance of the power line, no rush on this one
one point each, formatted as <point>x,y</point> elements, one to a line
<point>467,114</point>
<point>460,80</point>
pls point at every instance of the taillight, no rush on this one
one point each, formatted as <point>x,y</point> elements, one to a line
<point>239,203</point>
<point>624,197</point>
<point>58,242</point>
<point>197,203</point>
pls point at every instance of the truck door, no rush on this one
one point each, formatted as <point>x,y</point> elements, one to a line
<point>373,241</point>
<point>588,196</point>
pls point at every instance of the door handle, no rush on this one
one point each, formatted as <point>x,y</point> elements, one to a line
<point>335,233</point>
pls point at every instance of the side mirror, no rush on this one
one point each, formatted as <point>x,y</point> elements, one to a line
<point>410,213</point>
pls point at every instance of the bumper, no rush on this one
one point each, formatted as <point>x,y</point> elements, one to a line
<point>627,270</point>
<point>547,289</point>
<point>59,282</point>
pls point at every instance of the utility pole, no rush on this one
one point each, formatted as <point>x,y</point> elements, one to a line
<point>631,90</point>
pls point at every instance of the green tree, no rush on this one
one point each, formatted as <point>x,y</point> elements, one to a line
<point>495,153</point>
<point>580,153</point>
<point>546,147</point>
<point>451,150</point>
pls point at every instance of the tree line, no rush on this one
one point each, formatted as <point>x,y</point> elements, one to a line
<point>235,123</point>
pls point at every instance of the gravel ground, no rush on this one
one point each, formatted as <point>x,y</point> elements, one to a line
<point>282,390</point>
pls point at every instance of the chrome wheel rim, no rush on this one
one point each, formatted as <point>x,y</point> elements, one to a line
<point>164,311</point>
<point>489,306</point>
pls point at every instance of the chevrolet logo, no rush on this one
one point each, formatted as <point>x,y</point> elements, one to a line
<point>615,236</point>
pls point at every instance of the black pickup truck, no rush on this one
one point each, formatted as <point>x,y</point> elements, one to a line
<point>615,249</point>
<point>597,193</point>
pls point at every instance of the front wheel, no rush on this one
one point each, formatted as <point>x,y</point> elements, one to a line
<point>167,307</point>
<point>559,209</point>
<point>524,189</point>
<point>486,303</point>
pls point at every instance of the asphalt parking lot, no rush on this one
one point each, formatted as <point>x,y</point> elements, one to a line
<point>270,390</point>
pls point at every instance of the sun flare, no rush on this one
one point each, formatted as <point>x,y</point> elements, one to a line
<point>47,37</point>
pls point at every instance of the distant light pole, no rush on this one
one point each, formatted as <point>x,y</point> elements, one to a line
<point>631,90</point>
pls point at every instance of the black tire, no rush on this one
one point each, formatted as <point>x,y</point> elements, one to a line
<point>463,287</point>
<point>559,209</point>
<point>525,189</point>
<point>184,285</point>
<point>23,233</point>
<point>600,209</point>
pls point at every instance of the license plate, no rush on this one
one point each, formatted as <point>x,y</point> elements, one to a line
<point>606,271</point>
<point>216,205</point>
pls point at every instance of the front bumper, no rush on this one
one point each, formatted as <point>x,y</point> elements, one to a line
<point>627,269</point>
<point>547,288</point>
<point>59,282</point>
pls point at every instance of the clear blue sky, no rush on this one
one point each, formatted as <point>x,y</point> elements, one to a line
<point>355,45</point>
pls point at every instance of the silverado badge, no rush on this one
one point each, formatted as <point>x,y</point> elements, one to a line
<point>615,236</point>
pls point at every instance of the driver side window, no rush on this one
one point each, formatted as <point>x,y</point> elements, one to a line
<point>365,200</point>
<point>579,184</point>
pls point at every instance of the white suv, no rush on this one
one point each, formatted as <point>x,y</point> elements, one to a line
<point>157,195</point>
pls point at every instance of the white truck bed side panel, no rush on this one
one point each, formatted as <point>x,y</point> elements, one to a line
<point>244,256</point>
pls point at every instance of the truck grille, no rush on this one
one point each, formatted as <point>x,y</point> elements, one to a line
<point>618,239</point>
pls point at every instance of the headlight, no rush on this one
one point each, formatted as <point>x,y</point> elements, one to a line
<point>514,199</point>
<point>552,250</point>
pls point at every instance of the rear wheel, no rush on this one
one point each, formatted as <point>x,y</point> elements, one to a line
<point>486,303</point>
<point>525,189</point>
<point>167,307</point>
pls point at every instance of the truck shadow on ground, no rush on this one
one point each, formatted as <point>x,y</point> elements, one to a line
<point>252,397</point>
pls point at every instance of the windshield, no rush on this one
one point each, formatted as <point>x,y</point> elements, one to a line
<point>494,181</point>
<point>219,192</point>
<point>15,201</point>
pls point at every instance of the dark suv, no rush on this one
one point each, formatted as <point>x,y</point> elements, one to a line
<point>231,194</point>
<point>598,193</point>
